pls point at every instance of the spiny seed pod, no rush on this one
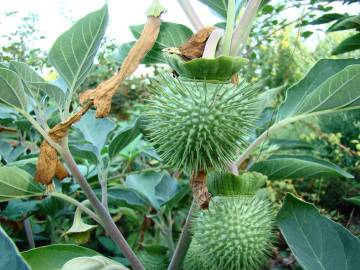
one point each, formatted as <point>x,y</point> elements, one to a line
<point>153,262</point>
<point>199,125</point>
<point>192,260</point>
<point>235,233</point>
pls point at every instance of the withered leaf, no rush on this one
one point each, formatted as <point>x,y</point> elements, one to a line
<point>102,95</point>
<point>195,46</point>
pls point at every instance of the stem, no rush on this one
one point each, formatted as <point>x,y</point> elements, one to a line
<point>102,175</point>
<point>108,223</point>
<point>29,233</point>
<point>191,14</point>
<point>230,23</point>
<point>169,237</point>
<point>78,204</point>
<point>183,243</point>
<point>242,31</point>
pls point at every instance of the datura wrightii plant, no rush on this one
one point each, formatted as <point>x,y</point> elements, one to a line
<point>200,118</point>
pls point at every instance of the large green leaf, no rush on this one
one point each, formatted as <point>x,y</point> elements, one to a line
<point>155,56</point>
<point>345,23</point>
<point>170,35</point>
<point>17,183</point>
<point>220,6</point>
<point>317,242</point>
<point>54,256</point>
<point>12,89</point>
<point>287,166</point>
<point>51,90</point>
<point>25,72</point>
<point>123,138</point>
<point>10,258</point>
<point>95,130</point>
<point>349,44</point>
<point>73,52</point>
<point>157,187</point>
<point>330,86</point>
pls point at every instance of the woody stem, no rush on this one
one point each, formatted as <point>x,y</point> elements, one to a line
<point>108,223</point>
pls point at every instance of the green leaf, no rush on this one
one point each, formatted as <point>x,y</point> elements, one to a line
<point>326,18</point>
<point>354,200</point>
<point>25,72</point>
<point>84,151</point>
<point>346,23</point>
<point>10,259</point>
<point>306,34</point>
<point>51,90</point>
<point>155,56</point>
<point>12,89</point>
<point>123,138</point>
<point>317,242</point>
<point>157,187</point>
<point>54,256</point>
<point>220,6</point>
<point>129,197</point>
<point>17,183</point>
<point>170,35</point>
<point>349,44</point>
<point>73,52</point>
<point>95,130</point>
<point>287,166</point>
<point>330,86</point>
<point>17,210</point>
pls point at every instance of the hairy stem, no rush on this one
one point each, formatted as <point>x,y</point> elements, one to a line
<point>29,233</point>
<point>242,31</point>
<point>108,223</point>
<point>102,176</point>
<point>230,23</point>
<point>183,243</point>
<point>191,14</point>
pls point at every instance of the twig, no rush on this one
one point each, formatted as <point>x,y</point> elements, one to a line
<point>108,223</point>
<point>184,241</point>
<point>29,233</point>
<point>191,14</point>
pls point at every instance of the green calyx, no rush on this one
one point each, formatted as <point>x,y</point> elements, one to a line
<point>217,69</point>
<point>235,233</point>
<point>227,184</point>
<point>198,125</point>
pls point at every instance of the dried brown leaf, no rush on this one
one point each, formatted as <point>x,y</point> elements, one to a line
<point>102,95</point>
<point>46,164</point>
<point>61,171</point>
<point>195,46</point>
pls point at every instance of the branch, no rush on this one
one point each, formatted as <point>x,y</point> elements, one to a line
<point>191,14</point>
<point>108,223</point>
<point>243,29</point>
<point>183,243</point>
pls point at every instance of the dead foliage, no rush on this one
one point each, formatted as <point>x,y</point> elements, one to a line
<point>194,47</point>
<point>102,95</point>
<point>48,164</point>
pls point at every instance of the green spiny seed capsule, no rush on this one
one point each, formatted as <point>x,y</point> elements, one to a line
<point>153,262</point>
<point>235,233</point>
<point>192,260</point>
<point>199,125</point>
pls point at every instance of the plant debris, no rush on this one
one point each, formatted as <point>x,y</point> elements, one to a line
<point>200,190</point>
<point>102,95</point>
<point>48,164</point>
